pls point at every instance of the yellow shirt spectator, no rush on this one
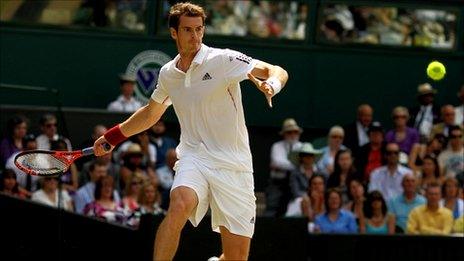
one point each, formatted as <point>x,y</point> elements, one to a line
<point>459,225</point>
<point>424,221</point>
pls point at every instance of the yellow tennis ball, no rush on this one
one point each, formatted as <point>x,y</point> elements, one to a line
<point>436,70</point>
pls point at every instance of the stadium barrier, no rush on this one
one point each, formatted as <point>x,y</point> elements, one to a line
<point>33,231</point>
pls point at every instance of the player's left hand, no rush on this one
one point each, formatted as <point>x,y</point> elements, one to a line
<point>264,87</point>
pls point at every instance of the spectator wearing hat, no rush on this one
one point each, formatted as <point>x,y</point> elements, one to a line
<point>426,114</point>
<point>278,190</point>
<point>304,158</point>
<point>448,116</point>
<point>388,178</point>
<point>356,133</point>
<point>370,156</point>
<point>126,101</point>
<point>459,110</point>
<point>133,165</point>
<point>149,150</point>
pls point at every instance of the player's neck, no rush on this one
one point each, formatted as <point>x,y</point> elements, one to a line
<point>186,58</point>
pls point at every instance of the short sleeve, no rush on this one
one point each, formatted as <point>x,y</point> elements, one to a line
<point>237,65</point>
<point>160,94</point>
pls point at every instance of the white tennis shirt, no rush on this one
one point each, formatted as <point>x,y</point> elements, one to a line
<point>208,103</point>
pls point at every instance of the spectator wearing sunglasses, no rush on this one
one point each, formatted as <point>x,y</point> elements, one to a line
<point>387,179</point>
<point>325,165</point>
<point>451,160</point>
<point>448,116</point>
<point>48,127</point>
<point>401,134</point>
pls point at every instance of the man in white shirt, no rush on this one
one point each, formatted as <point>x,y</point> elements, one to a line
<point>49,128</point>
<point>215,166</point>
<point>278,191</point>
<point>126,101</point>
<point>451,160</point>
<point>387,179</point>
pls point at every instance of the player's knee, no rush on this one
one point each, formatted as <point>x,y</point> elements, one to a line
<point>180,208</point>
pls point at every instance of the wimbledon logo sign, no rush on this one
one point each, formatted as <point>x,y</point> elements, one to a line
<point>146,66</point>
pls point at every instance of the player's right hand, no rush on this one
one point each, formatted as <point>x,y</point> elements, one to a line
<point>100,147</point>
<point>264,87</point>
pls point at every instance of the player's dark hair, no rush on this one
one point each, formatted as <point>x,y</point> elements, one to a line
<point>187,9</point>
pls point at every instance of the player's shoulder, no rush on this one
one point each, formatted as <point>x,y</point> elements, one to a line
<point>226,53</point>
<point>168,66</point>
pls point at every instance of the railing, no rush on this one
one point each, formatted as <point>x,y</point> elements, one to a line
<point>31,231</point>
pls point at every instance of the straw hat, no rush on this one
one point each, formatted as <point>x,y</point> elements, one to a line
<point>290,125</point>
<point>306,148</point>
<point>424,89</point>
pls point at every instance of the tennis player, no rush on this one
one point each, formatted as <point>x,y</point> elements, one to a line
<point>214,167</point>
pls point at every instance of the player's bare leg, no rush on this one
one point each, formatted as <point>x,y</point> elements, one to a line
<point>183,202</point>
<point>234,247</point>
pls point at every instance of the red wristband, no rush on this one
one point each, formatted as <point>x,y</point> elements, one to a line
<point>114,136</point>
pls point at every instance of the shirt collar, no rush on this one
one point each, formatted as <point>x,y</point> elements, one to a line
<point>201,55</point>
<point>198,59</point>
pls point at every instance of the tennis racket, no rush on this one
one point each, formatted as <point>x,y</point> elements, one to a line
<point>48,163</point>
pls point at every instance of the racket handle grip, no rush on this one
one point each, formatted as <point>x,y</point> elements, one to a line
<point>106,146</point>
<point>89,150</point>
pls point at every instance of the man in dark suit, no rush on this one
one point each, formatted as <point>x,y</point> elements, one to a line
<point>426,114</point>
<point>356,132</point>
<point>370,156</point>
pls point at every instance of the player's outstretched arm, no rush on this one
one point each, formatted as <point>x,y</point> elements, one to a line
<point>141,120</point>
<point>269,79</point>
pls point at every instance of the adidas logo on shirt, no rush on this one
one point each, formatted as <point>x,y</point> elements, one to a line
<point>206,77</point>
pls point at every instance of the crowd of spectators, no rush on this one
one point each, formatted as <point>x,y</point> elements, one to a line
<point>115,14</point>
<point>259,19</point>
<point>409,179</point>
<point>365,180</point>
<point>118,187</point>
<point>393,26</point>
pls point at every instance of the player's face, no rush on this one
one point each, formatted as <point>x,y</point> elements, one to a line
<point>189,34</point>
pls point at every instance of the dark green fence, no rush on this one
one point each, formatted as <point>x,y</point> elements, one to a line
<point>33,231</point>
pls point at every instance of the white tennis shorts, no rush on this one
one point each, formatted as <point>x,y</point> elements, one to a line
<point>230,194</point>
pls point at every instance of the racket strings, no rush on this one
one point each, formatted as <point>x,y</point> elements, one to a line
<point>42,163</point>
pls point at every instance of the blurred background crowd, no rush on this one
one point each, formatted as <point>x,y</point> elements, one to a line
<point>360,178</point>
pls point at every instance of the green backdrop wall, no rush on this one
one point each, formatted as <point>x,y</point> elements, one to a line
<point>326,82</point>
